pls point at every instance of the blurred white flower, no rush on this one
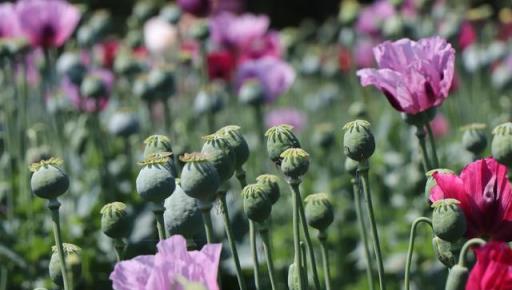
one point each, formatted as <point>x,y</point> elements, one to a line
<point>159,35</point>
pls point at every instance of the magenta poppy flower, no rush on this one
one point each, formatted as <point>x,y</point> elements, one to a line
<point>440,126</point>
<point>199,8</point>
<point>467,35</point>
<point>232,31</point>
<point>169,268</point>
<point>9,26</point>
<point>47,23</point>
<point>289,116</point>
<point>493,268</point>
<point>485,197</point>
<point>372,17</point>
<point>90,105</point>
<point>274,75</point>
<point>414,76</point>
<point>266,45</point>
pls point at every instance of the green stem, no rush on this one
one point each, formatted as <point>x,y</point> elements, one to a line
<point>258,117</point>
<point>322,237</point>
<point>54,205</point>
<point>309,244</point>
<point>433,149</point>
<point>158,211</point>
<point>362,170</point>
<point>265,236</point>
<point>254,250</point>
<point>420,133</point>
<point>467,246</point>
<point>231,240</point>
<point>363,233</point>
<point>119,246</point>
<point>296,241</point>
<point>3,278</point>
<point>207,220</point>
<point>410,251</point>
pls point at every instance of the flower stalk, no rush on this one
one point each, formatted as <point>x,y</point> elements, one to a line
<point>267,247</point>
<point>54,206</point>
<point>322,237</point>
<point>410,250</point>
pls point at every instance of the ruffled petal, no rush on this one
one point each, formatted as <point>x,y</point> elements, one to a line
<point>132,274</point>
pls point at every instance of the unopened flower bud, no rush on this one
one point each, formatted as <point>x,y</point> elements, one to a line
<point>251,93</point>
<point>280,138</point>
<point>446,252</point>
<point>502,143</point>
<point>237,142</point>
<point>171,13</point>
<point>155,181</point>
<point>221,155</point>
<point>319,211</point>
<point>199,178</point>
<point>295,162</point>
<point>182,215</point>
<point>92,87</point>
<point>270,184</point>
<point>48,180</point>
<point>474,139</point>
<point>358,141</point>
<point>54,265</point>
<point>115,222</point>
<point>123,124</point>
<point>448,221</point>
<point>431,181</point>
<point>85,36</point>
<point>457,278</point>
<point>257,206</point>
<point>421,118</point>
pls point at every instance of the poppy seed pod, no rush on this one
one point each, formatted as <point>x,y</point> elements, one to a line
<point>123,124</point>
<point>93,87</point>
<point>48,181</point>
<point>99,23</point>
<point>358,110</point>
<point>143,10</point>
<point>319,211</point>
<point>115,222</point>
<point>200,30</point>
<point>182,215</point>
<point>171,13</point>
<point>257,206</point>
<point>295,162</point>
<point>220,154</point>
<point>280,138</point>
<point>358,141</point>
<point>199,178</point>
<point>502,143</point>
<point>270,184</point>
<point>351,166</point>
<point>160,144</point>
<point>474,139</point>
<point>155,181</point>
<point>54,265</point>
<point>161,82</point>
<point>421,118</point>
<point>457,278</point>
<point>208,100</point>
<point>237,142</point>
<point>431,182</point>
<point>324,136</point>
<point>446,252</point>
<point>448,220</point>
<point>70,65</point>
<point>251,93</point>
<point>126,65</point>
<point>142,89</point>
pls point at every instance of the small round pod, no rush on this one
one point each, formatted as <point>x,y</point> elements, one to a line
<point>182,215</point>
<point>446,252</point>
<point>251,93</point>
<point>93,87</point>
<point>126,65</point>
<point>115,222</point>
<point>473,138</point>
<point>257,206</point>
<point>457,278</point>
<point>155,181</point>
<point>48,180</point>
<point>324,136</point>
<point>221,155</point>
<point>162,83</point>
<point>501,145</point>
<point>142,89</point>
<point>237,142</point>
<point>100,22</point>
<point>448,220</point>
<point>209,100</point>
<point>160,144</point>
<point>431,181</point>
<point>199,178</point>
<point>280,138</point>
<point>270,184</point>
<point>295,162</point>
<point>171,13</point>
<point>143,10</point>
<point>319,211</point>
<point>123,124</point>
<point>200,30</point>
<point>351,166</point>
<point>70,65</point>
<point>358,141</point>
<point>70,250</point>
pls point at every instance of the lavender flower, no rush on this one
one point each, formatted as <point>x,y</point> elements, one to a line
<point>9,26</point>
<point>372,17</point>
<point>230,30</point>
<point>290,116</point>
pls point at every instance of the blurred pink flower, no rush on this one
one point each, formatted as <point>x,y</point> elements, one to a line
<point>9,26</point>
<point>47,23</point>
<point>288,116</point>
<point>168,266</point>
<point>440,126</point>
<point>159,35</point>
<point>261,46</point>
<point>229,30</point>
<point>363,53</point>
<point>372,17</point>
<point>275,76</point>
<point>199,8</point>
<point>467,35</point>
<point>81,103</point>
<point>414,76</point>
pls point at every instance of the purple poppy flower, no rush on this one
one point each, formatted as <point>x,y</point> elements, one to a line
<point>9,26</point>
<point>274,75</point>
<point>229,30</point>
<point>47,23</point>
<point>289,116</point>
<point>199,8</point>
<point>81,103</point>
<point>414,76</point>
<point>169,268</point>
<point>371,17</point>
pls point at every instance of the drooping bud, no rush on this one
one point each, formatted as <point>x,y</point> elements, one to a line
<point>199,178</point>
<point>448,221</point>
<point>270,184</point>
<point>182,215</point>
<point>141,88</point>
<point>237,142</point>
<point>48,180</point>
<point>502,143</point>
<point>54,265</point>
<point>155,181</point>
<point>257,206</point>
<point>295,162</point>
<point>457,278</point>
<point>280,138</point>
<point>431,181</point>
<point>474,139</point>
<point>358,141</point>
<point>221,155</point>
<point>358,110</point>
<point>115,222</point>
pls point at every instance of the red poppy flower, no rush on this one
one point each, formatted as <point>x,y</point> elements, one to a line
<point>220,65</point>
<point>485,197</point>
<point>493,268</point>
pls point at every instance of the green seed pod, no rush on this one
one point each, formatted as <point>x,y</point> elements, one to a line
<point>502,143</point>
<point>358,141</point>
<point>358,110</point>
<point>100,23</point>
<point>474,139</point>
<point>143,10</point>
<point>237,142</point>
<point>126,65</point>
<point>421,118</point>
<point>171,13</point>
<point>85,36</point>
<point>160,144</point>
<point>115,222</point>
<point>182,215</point>
<point>155,181</point>
<point>351,166</point>
<point>295,162</point>
<point>200,31</point>
<point>319,211</point>
<point>209,100</point>
<point>123,124</point>
<point>251,93</point>
<point>293,278</point>
<point>446,252</point>
<point>93,87</point>
<point>324,136</point>
<point>161,82</point>
<point>280,138</point>
<point>134,38</point>
<point>431,182</point>
<point>142,89</point>
<point>199,178</point>
<point>457,278</point>
<point>270,184</point>
<point>221,155</point>
<point>48,181</point>
<point>257,206</point>
<point>69,64</point>
<point>448,221</point>
<point>54,265</point>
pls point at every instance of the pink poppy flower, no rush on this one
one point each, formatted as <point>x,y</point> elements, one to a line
<point>169,267</point>
<point>274,75</point>
<point>414,76</point>
<point>199,8</point>
<point>232,31</point>
<point>440,126</point>
<point>493,268</point>
<point>9,26</point>
<point>372,17</point>
<point>467,35</point>
<point>485,197</point>
<point>289,116</point>
<point>47,23</point>
<point>363,53</point>
<point>159,35</point>
<point>266,45</point>
<point>81,103</point>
